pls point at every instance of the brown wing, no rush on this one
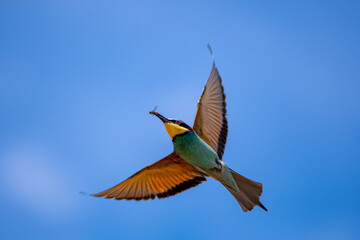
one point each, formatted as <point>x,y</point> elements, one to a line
<point>210,121</point>
<point>166,177</point>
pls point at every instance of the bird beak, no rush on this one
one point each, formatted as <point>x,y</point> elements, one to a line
<point>162,118</point>
<point>172,128</point>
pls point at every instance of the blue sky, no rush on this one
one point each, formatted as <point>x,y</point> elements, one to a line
<point>77,79</point>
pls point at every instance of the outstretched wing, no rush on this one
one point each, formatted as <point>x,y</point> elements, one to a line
<point>210,121</point>
<point>165,178</point>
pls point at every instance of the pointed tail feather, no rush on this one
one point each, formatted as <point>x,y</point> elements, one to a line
<point>249,194</point>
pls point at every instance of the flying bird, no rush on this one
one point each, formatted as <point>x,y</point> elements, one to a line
<point>197,154</point>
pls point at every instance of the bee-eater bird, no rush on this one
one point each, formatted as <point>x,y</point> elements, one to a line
<point>197,154</point>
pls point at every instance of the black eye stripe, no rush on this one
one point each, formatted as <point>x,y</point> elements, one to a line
<point>181,124</point>
<point>184,125</point>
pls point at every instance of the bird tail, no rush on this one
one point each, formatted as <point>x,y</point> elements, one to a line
<point>249,194</point>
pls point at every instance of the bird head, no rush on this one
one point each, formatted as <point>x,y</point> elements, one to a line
<point>173,127</point>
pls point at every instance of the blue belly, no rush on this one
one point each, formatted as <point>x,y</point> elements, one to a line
<point>195,151</point>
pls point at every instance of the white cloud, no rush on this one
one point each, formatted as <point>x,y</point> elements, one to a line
<point>32,180</point>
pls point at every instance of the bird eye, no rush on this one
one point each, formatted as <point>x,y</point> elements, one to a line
<point>177,122</point>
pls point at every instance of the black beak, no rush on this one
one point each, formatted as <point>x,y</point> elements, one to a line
<point>162,118</point>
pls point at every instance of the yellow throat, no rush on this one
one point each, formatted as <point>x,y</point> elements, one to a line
<point>174,130</point>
